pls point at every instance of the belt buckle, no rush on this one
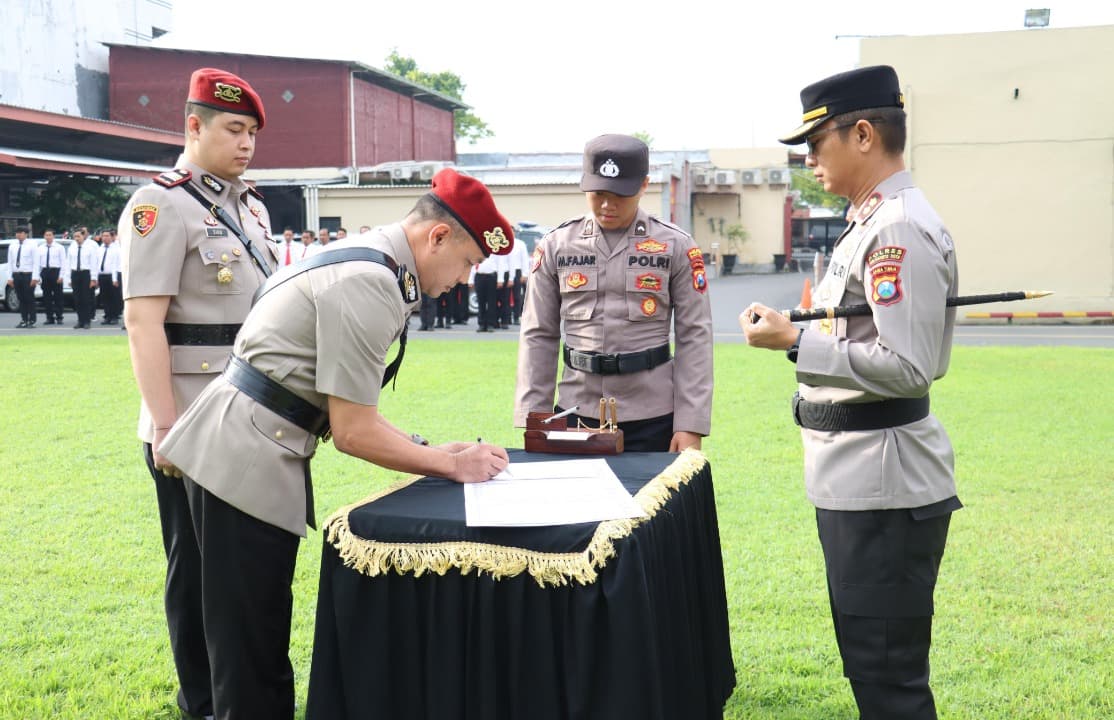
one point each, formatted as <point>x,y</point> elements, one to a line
<point>580,360</point>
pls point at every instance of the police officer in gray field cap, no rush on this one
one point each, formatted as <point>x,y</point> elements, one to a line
<point>616,278</point>
<point>878,465</point>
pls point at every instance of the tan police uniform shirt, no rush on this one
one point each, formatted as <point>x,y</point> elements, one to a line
<point>172,245</point>
<point>618,300</point>
<point>897,256</point>
<point>324,332</point>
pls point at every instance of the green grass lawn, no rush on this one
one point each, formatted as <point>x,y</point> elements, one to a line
<point>1025,604</point>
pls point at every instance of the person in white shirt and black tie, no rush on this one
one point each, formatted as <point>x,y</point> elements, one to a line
<point>108,279</point>
<point>21,271</point>
<point>51,266</point>
<point>83,256</point>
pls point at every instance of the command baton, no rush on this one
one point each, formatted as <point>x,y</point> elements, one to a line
<point>849,310</point>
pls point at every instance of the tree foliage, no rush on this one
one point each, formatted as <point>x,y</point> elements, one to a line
<point>466,126</point>
<point>645,137</point>
<point>810,193</point>
<point>72,200</point>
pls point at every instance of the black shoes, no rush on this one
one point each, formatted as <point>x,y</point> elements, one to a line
<point>49,321</point>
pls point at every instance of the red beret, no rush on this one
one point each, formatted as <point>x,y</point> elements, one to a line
<point>469,201</point>
<point>226,92</point>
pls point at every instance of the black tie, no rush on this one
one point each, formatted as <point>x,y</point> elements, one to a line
<point>18,256</point>
<point>79,258</point>
<point>104,256</point>
<point>47,257</point>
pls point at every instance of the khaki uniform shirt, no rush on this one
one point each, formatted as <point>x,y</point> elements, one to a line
<point>616,301</point>
<point>172,245</point>
<point>324,332</point>
<point>897,256</point>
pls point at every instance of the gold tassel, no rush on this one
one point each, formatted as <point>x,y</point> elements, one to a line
<point>372,558</point>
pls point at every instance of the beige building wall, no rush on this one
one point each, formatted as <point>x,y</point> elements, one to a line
<point>759,208</point>
<point>1011,136</point>
<point>548,205</point>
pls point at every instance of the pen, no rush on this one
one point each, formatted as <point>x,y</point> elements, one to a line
<point>561,414</point>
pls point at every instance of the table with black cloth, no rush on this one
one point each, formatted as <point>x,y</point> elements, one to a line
<point>421,616</point>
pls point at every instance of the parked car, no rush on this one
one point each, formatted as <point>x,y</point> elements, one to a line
<point>10,299</point>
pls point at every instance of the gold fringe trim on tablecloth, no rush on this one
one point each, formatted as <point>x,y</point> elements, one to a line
<point>372,558</point>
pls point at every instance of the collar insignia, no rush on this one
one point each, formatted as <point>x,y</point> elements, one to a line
<point>409,285</point>
<point>640,228</point>
<point>212,183</point>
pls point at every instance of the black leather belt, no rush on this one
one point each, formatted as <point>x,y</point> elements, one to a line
<point>189,334</point>
<point>616,363</point>
<point>858,416</point>
<point>261,388</point>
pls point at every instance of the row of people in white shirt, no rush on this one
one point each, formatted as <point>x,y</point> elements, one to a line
<point>504,266</point>
<point>27,256</point>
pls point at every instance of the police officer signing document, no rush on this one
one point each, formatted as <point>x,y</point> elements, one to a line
<point>878,465</point>
<point>195,245</point>
<point>311,358</point>
<point>618,279</point>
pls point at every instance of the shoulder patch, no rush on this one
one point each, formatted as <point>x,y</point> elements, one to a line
<point>173,178</point>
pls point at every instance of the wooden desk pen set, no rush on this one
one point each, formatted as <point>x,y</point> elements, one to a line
<point>546,433</point>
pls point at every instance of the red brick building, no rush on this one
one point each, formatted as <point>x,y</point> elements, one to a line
<point>320,113</point>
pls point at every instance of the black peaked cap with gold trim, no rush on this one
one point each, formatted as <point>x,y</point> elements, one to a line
<point>875,86</point>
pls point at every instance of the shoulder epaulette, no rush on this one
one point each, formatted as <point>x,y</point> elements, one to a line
<point>570,221</point>
<point>668,224</point>
<point>173,178</point>
<point>258,195</point>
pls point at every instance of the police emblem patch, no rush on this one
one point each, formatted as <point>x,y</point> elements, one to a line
<point>144,218</point>
<point>649,306</point>
<point>224,276</point>
<point>889,253</point>
<point>648,281</point>
<point>495,240</point>
<point>650,245</point>
<point>609,169</point>
<point>577,280</point>
<point>885,281</point>
<point>210,221</point>
<point>699,280</point>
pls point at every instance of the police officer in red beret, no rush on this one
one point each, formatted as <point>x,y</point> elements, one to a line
<point>195,245</point>
<point>879,466</point>
<point>308,363</point>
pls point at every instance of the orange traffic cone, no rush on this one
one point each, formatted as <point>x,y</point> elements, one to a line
<point>806,295</point>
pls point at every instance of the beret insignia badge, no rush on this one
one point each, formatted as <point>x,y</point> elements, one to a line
<point>495,239</point>
<point>228,93</point>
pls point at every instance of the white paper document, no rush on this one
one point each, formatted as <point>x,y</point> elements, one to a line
<point>557,492</point>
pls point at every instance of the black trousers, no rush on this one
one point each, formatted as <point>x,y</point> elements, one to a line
<point>109,296</point>
<point>882,567</point>
<point>426,312</point>
<point>459,303</point>
<point>83,297</point>
<point>518,294</point>
<point>504,294</point>
<point>26,295</point>
<point>246,576</point>
<point>649,435</point>
<point>182,595</point>
<point>488,315</point>
<point>52,293</point>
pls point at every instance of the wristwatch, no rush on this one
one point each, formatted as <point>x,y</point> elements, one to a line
<point>418,439</point>
<point>791,353</point>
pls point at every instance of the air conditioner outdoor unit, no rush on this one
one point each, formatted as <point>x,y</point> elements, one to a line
<point>778,176</point>
<point>701,177</point>
<point>428,170</point>
<point>752,177</point>
<point>400,173</point>
<point>725,177</point>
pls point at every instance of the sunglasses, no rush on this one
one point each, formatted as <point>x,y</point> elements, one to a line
<point>811,140</point>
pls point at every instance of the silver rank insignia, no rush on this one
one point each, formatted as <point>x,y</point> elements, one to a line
<point>212,183</point>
